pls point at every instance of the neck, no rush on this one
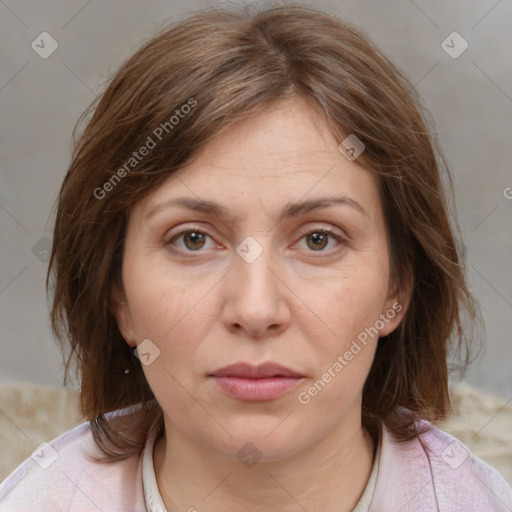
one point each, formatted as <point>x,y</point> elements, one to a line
<point>329,476</point>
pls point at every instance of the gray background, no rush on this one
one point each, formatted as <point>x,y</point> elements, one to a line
<point>470,98</point>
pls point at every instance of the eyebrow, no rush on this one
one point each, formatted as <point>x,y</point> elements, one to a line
<point>290,210</point>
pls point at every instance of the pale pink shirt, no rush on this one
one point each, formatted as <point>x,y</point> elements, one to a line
<point>430,473</point>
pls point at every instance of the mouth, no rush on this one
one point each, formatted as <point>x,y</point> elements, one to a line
<point>246,382</point>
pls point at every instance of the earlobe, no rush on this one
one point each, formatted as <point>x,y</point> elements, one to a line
<point>397,303</point>
<point>120,311</point>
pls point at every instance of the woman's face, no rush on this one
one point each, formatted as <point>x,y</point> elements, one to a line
<point>268,281</point>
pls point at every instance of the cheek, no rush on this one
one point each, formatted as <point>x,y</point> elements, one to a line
<point>345,358</point>
<point>354,301</point>
<point>351,306</point>
<point>171,311</point>
<point>153,297</point>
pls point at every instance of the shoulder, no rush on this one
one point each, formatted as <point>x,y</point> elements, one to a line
<point>64,475</point>
<point>436,472</point>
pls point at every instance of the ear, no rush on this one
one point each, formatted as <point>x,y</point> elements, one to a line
<point>397,302</point>
<point>121,312</point>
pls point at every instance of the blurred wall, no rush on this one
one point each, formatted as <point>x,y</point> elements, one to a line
<point>468,91</point>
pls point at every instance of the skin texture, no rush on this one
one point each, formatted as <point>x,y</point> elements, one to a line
<point>300,303</point>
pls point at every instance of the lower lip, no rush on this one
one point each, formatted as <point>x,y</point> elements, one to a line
<point>256,390</point>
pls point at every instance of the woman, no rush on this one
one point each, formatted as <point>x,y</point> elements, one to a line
<point>254,265</point>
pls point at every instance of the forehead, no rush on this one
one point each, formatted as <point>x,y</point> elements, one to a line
<point>282,155</point>
<point>282,135</point>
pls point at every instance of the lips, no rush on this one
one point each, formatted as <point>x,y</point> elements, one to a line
<point>263,371</point>
<point>245,382</point>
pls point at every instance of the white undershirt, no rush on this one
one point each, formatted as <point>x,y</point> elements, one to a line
<point>154,502</point>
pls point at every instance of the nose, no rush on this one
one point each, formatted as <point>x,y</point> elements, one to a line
<point>256,300</point>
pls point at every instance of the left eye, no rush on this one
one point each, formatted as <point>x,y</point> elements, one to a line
<point>319,239</point>
<point>195,239</point>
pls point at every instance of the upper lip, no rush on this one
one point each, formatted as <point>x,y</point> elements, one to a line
<point>248,371</point>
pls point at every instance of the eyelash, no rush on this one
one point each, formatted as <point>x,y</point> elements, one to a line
<point>189,254</point>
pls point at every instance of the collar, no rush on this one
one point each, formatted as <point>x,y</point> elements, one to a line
<point>405,480</point>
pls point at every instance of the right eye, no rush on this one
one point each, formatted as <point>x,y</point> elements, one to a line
<point>193,240</point>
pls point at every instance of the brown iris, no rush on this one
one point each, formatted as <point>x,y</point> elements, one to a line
<point>196,239</point>
<point>318,237</point>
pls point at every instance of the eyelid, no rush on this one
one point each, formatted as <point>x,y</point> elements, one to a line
<point>329,229</point>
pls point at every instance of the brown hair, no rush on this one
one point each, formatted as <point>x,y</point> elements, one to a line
<point>232,63</point>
